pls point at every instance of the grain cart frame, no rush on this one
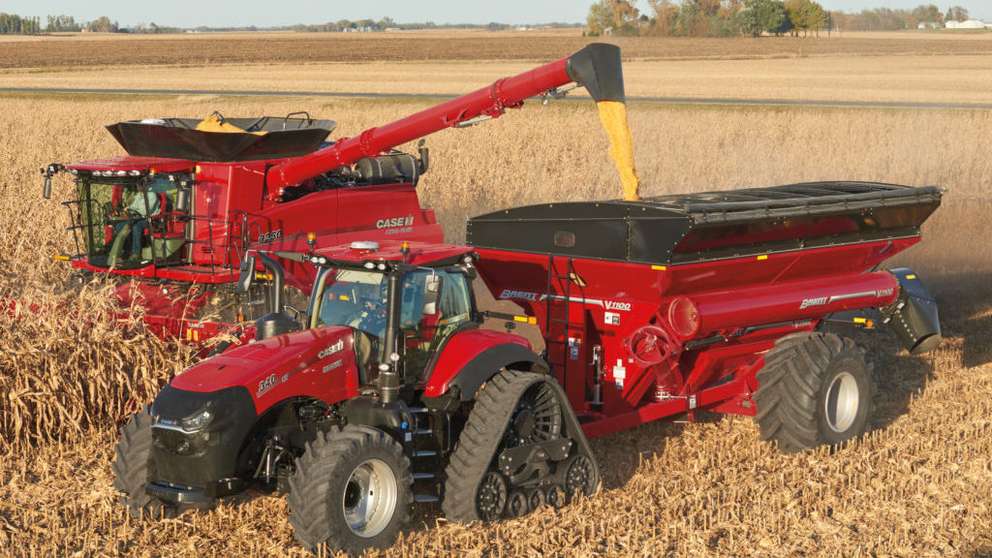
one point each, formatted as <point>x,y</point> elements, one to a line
<point>199,194</point>
<point>386,390</point>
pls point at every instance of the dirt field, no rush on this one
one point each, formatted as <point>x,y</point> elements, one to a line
<point>83,50</point>
<point>919,485</point>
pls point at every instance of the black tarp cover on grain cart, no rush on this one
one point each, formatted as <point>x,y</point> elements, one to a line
<point>219,139</point>
<point>711,225</point>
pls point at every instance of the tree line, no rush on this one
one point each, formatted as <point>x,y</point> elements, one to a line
<point>726,18</point>
<point>15,24</point>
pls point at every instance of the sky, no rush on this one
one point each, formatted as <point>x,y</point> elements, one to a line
<point>217,13</point>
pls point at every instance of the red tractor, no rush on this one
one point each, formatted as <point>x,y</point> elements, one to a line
<point>191,197</point>
<point>386,391</point>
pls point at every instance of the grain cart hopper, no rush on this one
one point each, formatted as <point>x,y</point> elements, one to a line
<point>192,196</point>
<point>386,391</point>
<point>715,300</point>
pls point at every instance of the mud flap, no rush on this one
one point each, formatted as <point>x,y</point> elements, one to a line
<point>914,317</point>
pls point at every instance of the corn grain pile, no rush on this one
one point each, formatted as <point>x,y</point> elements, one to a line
<point>919,484</point>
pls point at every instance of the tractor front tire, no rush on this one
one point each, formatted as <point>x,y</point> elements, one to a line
<point>814,389</point>
<point>351,491</point>
<point>133,468</point>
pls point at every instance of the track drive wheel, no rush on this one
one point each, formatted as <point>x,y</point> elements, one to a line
<point>814,389</point>
<point>521,415</point>
<point>133,467</point>
<point>351,490</point>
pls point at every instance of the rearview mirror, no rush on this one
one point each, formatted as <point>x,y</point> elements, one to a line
<point>247,274</point>
<point>432,291</point>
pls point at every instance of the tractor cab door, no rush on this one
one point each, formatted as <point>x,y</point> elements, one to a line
<point>431,315</point>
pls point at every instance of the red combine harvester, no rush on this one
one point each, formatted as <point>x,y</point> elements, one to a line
<point>387,391</point>
<point>191,197</point>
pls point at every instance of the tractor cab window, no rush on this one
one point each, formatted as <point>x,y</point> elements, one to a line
<point>356,299</point>
<point>359,299</point>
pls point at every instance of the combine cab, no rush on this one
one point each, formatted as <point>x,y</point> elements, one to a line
<point>386,391</point>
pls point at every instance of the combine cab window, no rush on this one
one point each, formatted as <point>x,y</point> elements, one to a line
<point>126,224</point>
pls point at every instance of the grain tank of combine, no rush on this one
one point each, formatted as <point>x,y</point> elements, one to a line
<point>192,196</point>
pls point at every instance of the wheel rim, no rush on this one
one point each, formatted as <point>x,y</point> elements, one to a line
<point>369,499</point>
<point>517,504</point>
<point>578,478</point>
<point>842,402</point>
<point>537,417</point>
<point>492,496</point>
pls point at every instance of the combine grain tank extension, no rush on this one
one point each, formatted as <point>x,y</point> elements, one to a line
<point>222,139</point>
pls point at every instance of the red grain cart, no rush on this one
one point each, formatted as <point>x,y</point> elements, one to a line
<point>386,391</point>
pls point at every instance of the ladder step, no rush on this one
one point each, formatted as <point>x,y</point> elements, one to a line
<point>425,498</point>
<point>424,453</point>
<point>417,410</point>
<point>423,476</point>
<point>423,432</point>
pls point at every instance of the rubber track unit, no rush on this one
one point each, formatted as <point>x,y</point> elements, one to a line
<point>789,387</point>
<point>132,466</point>
<point>318,469</point>
<point>483,432</point>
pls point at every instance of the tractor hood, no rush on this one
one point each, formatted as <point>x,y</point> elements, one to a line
<point>315,363</point>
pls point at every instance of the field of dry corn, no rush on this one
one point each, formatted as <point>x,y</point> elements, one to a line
<point>919,485</point>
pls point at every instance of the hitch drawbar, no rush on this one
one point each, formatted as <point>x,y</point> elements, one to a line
<point>914,316</point>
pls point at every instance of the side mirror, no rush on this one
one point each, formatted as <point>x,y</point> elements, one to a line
<point>432,292</point>
<point>47,173</point>
<point>295,313</point>
<point>247,276</point>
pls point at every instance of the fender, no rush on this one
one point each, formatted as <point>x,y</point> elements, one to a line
<point>473,356</point>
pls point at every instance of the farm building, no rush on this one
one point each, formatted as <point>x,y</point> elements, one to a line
<point>970,24</point>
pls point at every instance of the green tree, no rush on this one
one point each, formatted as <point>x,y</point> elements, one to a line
<point>805,16</point>
<point>957,13</point>
<point>928,13</point>
<point>102,24</point>
<point>618,16</point>
<point>761,16</point>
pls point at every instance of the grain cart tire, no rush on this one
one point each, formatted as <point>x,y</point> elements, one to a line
<point>521,429</point>
<point>133,467</point>
<point>814,389</point>
<point>351,490</point>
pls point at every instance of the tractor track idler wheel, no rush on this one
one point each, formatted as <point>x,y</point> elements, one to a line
<point>579,475</point>
<point>492,496</point>
<point>536,500</point>
<point>517,505</point>
<point>555,496</point>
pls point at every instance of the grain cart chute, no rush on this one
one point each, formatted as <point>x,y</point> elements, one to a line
<point>191,197</point>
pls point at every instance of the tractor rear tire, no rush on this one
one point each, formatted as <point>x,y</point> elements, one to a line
<point>351,491</point>
<point>814,389</point>
<point>133,467</point>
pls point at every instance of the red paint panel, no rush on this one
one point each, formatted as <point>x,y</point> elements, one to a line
<point>301,364</point>
<point>462,349</point>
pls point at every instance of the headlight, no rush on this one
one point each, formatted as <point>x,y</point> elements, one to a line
<point>198,420</point>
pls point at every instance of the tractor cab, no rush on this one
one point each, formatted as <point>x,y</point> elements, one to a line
<point>402,300</point>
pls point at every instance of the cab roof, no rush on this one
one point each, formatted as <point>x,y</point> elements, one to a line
<point>129,163</point>
<point>391,251</point>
